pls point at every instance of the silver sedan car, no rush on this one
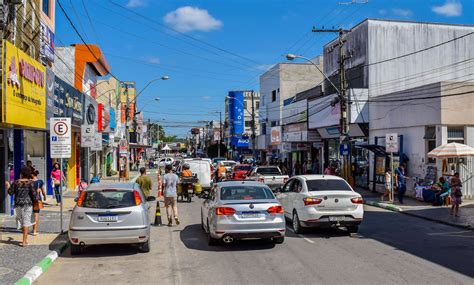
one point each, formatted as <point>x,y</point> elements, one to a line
<point>240,210</point>
<point>110,214</point>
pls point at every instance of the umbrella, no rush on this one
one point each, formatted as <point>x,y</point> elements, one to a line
<point>166,148</point>
<point>451,150</point>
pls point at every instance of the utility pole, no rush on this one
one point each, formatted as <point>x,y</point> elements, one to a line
<point>127,133</point>
<point>253,126</point>
<point>343,100</point>
<point>220,135</point>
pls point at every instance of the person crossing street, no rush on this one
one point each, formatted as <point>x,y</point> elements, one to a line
<point>144,182</point>
<point>170,182</point>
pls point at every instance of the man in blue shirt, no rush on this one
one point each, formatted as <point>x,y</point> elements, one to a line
<point>401,181</point>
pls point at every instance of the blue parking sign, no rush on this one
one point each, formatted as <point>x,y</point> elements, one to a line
<point>344,149</point>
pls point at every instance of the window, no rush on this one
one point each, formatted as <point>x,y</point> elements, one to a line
<point>327,185</point>
<point>274,123</point>
<point>430,137</point>
<point>109,199</point>
<point>245,104</point>
<point>456,134</point>
<point>257,105</point>
<point>274,95</point>
<point>248,124</point>
<point>246,193</point>
<point>46,7</point>
<point>268,171</point>
<point>297,187</point>
<point>287,187</point>
<point>431,145</point>
<point>263,129</point>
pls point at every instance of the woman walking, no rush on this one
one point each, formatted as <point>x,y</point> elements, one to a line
<point>24,194</point>
<point>40,196</point>
<point>456,194</point>
<point>388,185</point>
<point>56,176</point>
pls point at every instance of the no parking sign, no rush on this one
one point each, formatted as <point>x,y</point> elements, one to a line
<point>60,137</point>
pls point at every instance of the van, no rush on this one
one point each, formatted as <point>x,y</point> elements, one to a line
<point>202,168</point>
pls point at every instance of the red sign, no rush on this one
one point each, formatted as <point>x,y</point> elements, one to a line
<point>100,117</point>
<point>31,73</point>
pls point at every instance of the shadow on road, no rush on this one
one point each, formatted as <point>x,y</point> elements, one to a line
<point>193,237</point>
<point>108,250</point>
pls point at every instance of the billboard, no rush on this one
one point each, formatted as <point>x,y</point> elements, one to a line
<point>66,101</point>
<point>236,112</point>
<point>321,114</point>
<point>24,100</point>
<point>46,44</point>
<point>296,112</point>
<point>276,135</point>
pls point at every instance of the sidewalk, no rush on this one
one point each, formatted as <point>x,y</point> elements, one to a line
<point>15,261</point>
<point>413,207</point>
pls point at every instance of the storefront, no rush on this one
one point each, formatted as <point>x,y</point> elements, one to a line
<point>23,117</point>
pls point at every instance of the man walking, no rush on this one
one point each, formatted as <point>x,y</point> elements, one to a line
<point>144,182</point>
<point>170,181</point>
<point>401,181</point>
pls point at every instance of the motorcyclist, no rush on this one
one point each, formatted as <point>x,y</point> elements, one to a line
<point>186,172</point>
<point>221,172</point>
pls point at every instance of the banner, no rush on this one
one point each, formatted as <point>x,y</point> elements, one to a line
<point>24,102</point>
<point>67,101</point>
<point>236,112</point>
<point>46,44</point>
<point>276,135</point>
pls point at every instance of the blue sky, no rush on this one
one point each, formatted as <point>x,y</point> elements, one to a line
<point>210,47</point>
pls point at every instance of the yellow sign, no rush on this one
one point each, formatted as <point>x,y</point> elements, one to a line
<point>24,89</point>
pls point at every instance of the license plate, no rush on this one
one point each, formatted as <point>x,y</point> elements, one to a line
<point>108,218</point>
<point>190,191</point>
<point>249,215</point>
<point>336,218</point>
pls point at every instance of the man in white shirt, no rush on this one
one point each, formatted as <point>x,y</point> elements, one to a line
<point>170,182</point>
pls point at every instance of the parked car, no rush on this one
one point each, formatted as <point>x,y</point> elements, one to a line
<point>202,168</point>
<point>228,164</point>
<point>321,201</point>
<point>242,209</point>
<point>110,214</point>
<point>166,160</point>
<point>270,175</point>
<point>216,160</point>
<point>239,172</point>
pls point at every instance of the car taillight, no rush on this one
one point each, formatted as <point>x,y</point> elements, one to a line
<point>312,201</point>
<point>190,186</point>
<point>285,180</point>
<point>275,210</point>
<point>357,200</point>
<point>261,180</point>
<point>225,211</point>
<point>138,199</point>
<point>81,198</point>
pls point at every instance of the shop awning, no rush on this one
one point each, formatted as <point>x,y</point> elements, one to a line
<point>376,149</point>
<point>134,145</point>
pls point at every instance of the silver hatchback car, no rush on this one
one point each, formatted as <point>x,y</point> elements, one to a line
<point>110,214</point>
<point>242,209</point>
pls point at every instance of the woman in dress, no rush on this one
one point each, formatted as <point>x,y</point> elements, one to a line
<point>56,176</point>
<point>456,194</point>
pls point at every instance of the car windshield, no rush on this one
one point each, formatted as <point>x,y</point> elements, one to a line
<point>246,193</point>
<point>228,163</point>
<point>268,171</point>
<point>109,199</point>
<point>243,167</point>
<point>327,185</point>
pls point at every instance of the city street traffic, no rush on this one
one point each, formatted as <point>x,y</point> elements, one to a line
<point>389,248</point>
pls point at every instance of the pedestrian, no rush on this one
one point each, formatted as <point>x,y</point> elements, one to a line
<point>388,185</point>
<point>315,166</point>
<point>401,181</point>
<point>170,182</point>
<point>456,194</point>
<point>56,176</point>
<point>29,164</point>
<point>144,182</point>
<point>40,197</point>
<point>24,194</point>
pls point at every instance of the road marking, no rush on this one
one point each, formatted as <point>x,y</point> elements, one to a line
<point>300,235</point>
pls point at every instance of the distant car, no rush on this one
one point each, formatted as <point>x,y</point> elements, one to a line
<point>242,209</point>
<point>321,201</point>
<point>270,175</point>
<point>228,164</point>
<point>216,160</point>
<point>240,171</point>
<point>166,160</point>
<point>110,214</point>
<point>202,168</point>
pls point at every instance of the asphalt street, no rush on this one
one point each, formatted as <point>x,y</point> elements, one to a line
<point>391,248</point>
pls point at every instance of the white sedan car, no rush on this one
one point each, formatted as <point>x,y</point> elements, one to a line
<point>321,201</point>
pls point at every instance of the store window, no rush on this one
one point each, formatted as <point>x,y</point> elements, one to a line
<point>274,95</point>
<point>248,124</point>
<point>245,104</point>
<point>455,134</point>
<point>430,139</point>
<point>257,105</point>
<point>46,5</point>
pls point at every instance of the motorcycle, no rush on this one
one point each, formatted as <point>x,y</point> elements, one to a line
<point>187,188</point>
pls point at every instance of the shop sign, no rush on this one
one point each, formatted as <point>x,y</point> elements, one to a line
<point>276,135</point>
<point>113,122</point>
<point>103,118</point>
<point>46,43</point>
<point>296,112</point>
<point>295,133</point>
<point>217,135</point>
<point>321,114</point>
<point>24,102</point>
<point>66,101</point>
<point>87,135</point>
<point>123,147</point>
<point>60,137</point>
<point>391,143</point>
<point>90,111</point>
<point>97,146</point>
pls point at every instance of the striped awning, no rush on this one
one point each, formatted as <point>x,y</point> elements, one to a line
<point>451,150</point>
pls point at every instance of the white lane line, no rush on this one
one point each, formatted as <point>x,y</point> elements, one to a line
<point>301,236</point>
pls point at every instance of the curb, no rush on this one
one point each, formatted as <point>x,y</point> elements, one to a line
<point>41,266</point>
<point>400,210</point>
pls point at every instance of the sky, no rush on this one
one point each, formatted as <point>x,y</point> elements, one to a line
<point>210,47</point>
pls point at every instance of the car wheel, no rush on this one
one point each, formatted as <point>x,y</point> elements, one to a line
<point>279,240</point>
<point>353,229</point>
<point>145,247</point>
<point>210,240</point>
<point>296,223</point>
<point>202,222</point>
<point>76,249</point>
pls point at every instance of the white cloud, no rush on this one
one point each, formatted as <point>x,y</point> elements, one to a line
<point>187,19</point>
<point>135,3</point>
<point>153,60</point>
<point>451,8</point>
<point>265,67</point>
<point>382,12</point>
<point>405,13</point>
<point>206,98</point>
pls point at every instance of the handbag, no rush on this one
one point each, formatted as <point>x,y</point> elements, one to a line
<point>458,192</point>
<point>37,205</point>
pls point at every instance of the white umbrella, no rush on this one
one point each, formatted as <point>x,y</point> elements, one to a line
<point>166,148</point>
<point>451,150</point>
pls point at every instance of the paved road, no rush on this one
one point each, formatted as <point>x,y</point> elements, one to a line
<point>391,248</point>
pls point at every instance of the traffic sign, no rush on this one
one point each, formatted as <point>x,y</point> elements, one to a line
<point>391,143</point>
<point>344,149</point>
<point>87,135</point>
<point>60,141</point>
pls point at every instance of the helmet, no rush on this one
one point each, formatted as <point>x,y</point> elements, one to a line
<point>186,166</point>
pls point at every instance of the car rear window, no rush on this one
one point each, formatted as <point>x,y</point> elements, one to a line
<point>198,166</point>
<point>243,167</point>
<point>328,185</point>
<point>109,199</point>
<point>268,171</point>
<point>246,193</point>
<point>229,163</point>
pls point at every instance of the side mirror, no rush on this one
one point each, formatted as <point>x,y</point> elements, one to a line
<point>150,199</point>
